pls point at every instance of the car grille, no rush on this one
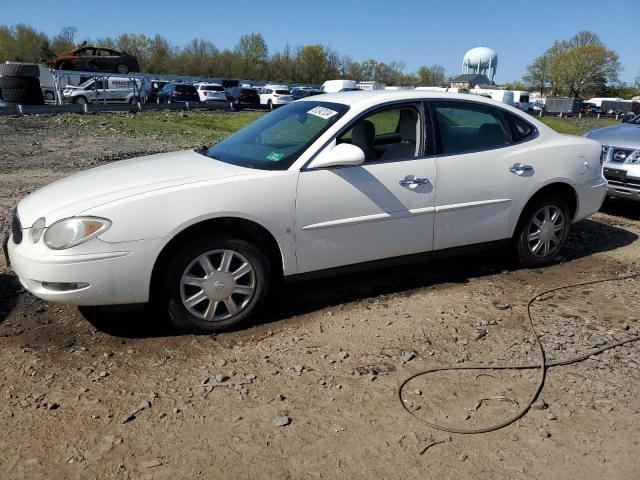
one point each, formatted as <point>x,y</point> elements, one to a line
<point>16,228</point>
<point>620,155</point>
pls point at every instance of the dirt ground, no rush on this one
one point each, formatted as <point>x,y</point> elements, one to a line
<point>127,396</point>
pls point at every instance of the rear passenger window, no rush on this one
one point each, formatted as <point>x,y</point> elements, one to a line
<point>520,130</point>
<point>465,127</point>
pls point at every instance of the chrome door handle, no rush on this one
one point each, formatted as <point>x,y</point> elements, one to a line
<point>411,181</point>
<point>519,168</point>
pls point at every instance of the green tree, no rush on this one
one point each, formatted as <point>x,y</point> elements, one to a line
<point>253,52</point>
<point>432,76</point>
<point>516,85</point>
<point>64,41</point>
<point>580,66</point>
<point>311,62</point>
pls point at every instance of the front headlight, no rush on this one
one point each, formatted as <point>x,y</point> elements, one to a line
<point>70,232</point>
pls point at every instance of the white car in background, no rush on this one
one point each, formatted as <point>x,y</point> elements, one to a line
<point>275,95</point>
<point>327,182</point>
<point>211,92</point>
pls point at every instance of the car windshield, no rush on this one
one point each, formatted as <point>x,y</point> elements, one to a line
<point>212,88</point>
<point>283,92</point>
<point>277,139</point>
<point>185,88</point>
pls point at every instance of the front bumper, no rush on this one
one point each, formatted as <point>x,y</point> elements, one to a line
<point>623,181</point>
<point>112,274</point>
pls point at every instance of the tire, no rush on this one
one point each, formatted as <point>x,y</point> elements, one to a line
<point>539,238</point>
<point>19,82</point>
<point>49,95</point>
<point>80,100</point>
<point>122,68</point>
<point>227,304</point>
<point>22,96</point>
<point>18,70</point>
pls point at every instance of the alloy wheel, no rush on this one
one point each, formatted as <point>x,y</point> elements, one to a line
<point>545,231</point>
<point>218,285</point>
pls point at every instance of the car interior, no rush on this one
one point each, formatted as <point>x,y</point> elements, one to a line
<point>386,135</point>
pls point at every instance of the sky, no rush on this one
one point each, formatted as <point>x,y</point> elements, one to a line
<point>410,31</point>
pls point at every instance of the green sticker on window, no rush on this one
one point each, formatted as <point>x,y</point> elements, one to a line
<point>275,156</point>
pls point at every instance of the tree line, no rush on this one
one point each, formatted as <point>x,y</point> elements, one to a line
<point>250,59</point>
<point>579,67</point>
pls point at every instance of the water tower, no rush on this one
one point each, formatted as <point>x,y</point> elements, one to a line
<point>482,61</point>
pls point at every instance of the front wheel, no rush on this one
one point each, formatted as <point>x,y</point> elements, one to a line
<point>122,68</point>
<point>542,231</point>
<point>216,283</point>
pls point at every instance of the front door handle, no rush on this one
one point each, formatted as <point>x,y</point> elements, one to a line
<point>412,182</point>
<point>519,168</point>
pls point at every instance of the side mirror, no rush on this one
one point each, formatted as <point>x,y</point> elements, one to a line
<point>343,154</point>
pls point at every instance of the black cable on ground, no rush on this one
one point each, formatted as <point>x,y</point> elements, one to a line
<point>542,365</point>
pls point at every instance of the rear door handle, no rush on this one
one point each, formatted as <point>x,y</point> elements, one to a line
<point>519,168</point>
<point>412,182</point>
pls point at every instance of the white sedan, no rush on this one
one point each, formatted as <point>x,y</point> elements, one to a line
<point>321,184</point>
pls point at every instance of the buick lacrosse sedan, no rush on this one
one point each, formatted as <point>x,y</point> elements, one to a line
<point>326,182</point>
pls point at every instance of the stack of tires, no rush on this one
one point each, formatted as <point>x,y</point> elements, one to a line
<point>20,83</point>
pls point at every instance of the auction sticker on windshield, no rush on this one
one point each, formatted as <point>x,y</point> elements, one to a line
<point>322,112</point>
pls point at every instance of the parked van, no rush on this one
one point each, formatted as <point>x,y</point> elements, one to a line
<point>521,100</point>
<point>504,96</point>
<point>109,89</point>
<point>333,86</point>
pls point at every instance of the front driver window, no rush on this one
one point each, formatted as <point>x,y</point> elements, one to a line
<point>465,127</point>
<point>389,134</point>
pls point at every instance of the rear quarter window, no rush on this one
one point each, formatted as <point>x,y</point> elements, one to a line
<point>521,130</point>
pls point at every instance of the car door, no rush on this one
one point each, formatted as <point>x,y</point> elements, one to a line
<point>379,209</point>
<point>483,173</point>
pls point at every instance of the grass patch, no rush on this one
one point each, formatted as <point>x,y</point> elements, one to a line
<point>577,126</point>
<point>197,127</point>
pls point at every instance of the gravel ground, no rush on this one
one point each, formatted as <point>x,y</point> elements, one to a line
<point>311,391</point>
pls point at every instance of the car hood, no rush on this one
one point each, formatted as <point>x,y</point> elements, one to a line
<point>97,186</point>
<point>624,135</point>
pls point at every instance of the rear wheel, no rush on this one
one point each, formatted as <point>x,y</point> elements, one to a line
<point>216,283</point>
<point>542,231</point>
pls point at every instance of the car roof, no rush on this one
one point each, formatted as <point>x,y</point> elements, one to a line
<point>369,98</point>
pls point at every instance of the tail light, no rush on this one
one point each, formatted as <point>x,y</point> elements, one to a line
<point>206,94</point>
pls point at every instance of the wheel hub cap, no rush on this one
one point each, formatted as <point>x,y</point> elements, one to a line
<point>546,231</point>
<point>218,286</point>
